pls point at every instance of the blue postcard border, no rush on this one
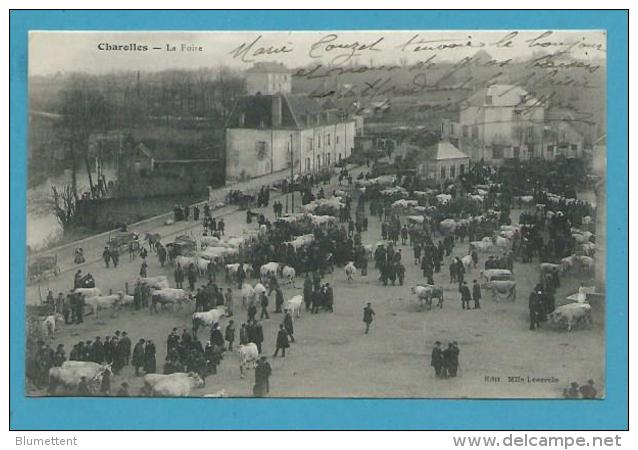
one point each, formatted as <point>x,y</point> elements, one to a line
<point>343,414</point>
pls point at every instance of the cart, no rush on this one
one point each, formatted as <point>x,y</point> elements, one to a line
<point>42,267</point>
<point>123,240</point>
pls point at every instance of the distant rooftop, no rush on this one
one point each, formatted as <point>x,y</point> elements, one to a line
<point>268,67</point>
<point>501,95</point>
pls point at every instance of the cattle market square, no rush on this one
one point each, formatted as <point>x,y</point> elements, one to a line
<point>341,255</point>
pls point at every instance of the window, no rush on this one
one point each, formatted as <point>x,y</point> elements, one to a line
<point>465,131</point>
<point>339,157</point>
<point>452,171</point>
<point>530,132</point>
<point>443,171</point>
<point>574,147</point>
<point>328,139</point>
<point>336,139</point>
<point>497,152</point>
<point>318,161</point>
<point>475,132</point>
<point>307,164</point>
<point>516,152</point>
<point>309,144</point>
<point>462,169</point>
<point>318,141</point>
<point>328,159</point>
<point>488,99</point>
<point>260,149</point>
<point>550,149</point>
<point>516,115</point>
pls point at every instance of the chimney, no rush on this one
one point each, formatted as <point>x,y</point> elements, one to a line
<point>276,111</point>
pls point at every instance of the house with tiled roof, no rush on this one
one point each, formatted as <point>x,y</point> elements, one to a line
<point>267,133</point>
<point>502,122</point>
<point>439,162</point>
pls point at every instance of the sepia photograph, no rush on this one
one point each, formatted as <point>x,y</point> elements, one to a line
<point>317,214</point>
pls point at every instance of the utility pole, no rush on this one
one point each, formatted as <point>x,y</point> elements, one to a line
<point>292,175</point>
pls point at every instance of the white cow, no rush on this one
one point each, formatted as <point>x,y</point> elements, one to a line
<point>88,292</point>
<point>49,323</point>
<point>444,199</point>
<point>350,270</point>
<point>267,269</point>
<point>585,264</point>
<point>491,274</point>
<point>173,385</point>
<point>70,373</point>
<point>102,302</point>
<point>567,263</point>
<point>467,262</point>
<point>247,294</point>
<point>288,275</point>
<point>208,318</point>
<point>125,300</point>
<point>426,293</point>
<point>294,305</point>
<point>158,282</point>
<point>259,288</point>
<point>208,241</point>
<point>572,314</point>
<point>201,264</point>
<point>447,226</point>
<point>169,297</point>
<point>247,354</point>
<point>589,248</point>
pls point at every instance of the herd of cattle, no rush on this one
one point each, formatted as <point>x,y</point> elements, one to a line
<point>227,251</point>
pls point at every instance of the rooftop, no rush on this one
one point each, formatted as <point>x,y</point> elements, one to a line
<point>268,67</point>
<point>501,95</point>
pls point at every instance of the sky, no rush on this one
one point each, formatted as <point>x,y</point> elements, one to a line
<point>51,52</point>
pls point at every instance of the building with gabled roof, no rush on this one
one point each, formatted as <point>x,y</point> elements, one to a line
<point>503,121</point>
<point>262,129</point>
<point>439,162</point>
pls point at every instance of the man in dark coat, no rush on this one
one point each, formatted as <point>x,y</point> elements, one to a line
<point>229,334</point>
<point>138,356</point>
<point>476,294</point>
<point>252,311</point>
<point>437,359</point>
<point>307,291</point>
<point>179,276</point>
<point>466,295</point>
<point>258,335</point>
<point>330,297</point>
<point>534,309</point>
<point>150,364</point>
<point>288,325</point>
<point>125,343</point>
<point>263,301</point>
<point>97,350</point>
<point>282,341</point>
<point>262,375</point>
<point>216,337</point>
<point>368,315</point>
<point>279,299</point>
<point>243,335</point>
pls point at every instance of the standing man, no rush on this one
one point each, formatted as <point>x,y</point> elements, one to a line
<point>282,342</point>
<point>229,302</point>
<point>106,256</point>
<point>279,299</point>
<point>138,356</point>
<point>125,343</point>
<point>466,296</point>
<point>368,315</point>
<point>437,359</point>
<point>143,269</point>
<point>230,334</point>
<point>534,309</point>
<point>263,301</point>
<point>179,276</point>
<point>258,332</point>
<point>262,375</point>
<point>476,294</point>
<point>288,325</point>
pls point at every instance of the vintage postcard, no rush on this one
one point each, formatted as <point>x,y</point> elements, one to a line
<point>321,214</point>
